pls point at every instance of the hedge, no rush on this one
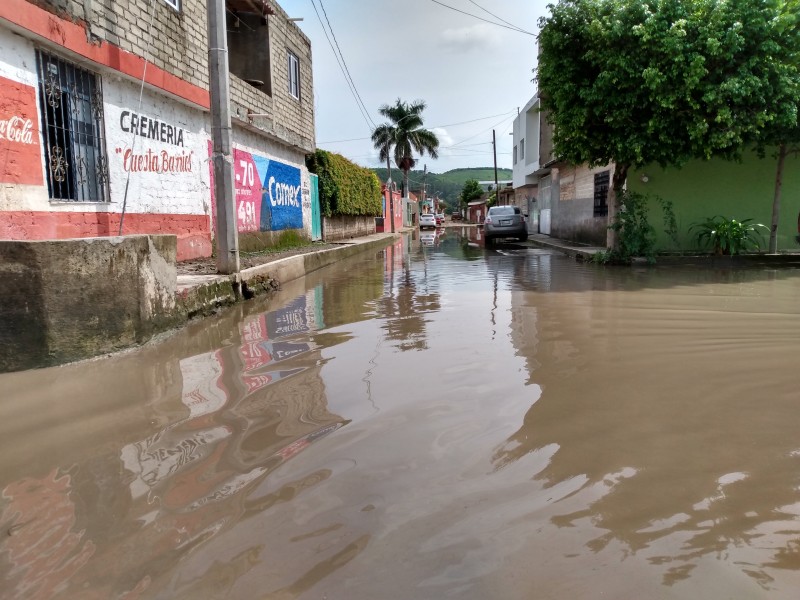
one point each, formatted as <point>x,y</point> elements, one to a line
<point>344,187</point>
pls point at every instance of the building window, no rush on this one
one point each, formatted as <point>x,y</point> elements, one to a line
<point>71,104</point>
<point>176,4</point>
<point>601,194</point>
<point>515,155</point>
<point>522,149</point>
<point>294,75</point>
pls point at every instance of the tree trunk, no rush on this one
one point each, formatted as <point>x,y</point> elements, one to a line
<point>405,183</point>
<point>614,195</point>
<point>776,201</point>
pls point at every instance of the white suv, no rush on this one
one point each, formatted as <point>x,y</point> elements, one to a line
<point>427,220</point>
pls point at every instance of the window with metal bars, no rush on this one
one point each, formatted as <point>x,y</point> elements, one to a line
<point>71,104</point>
<point>601,194</point>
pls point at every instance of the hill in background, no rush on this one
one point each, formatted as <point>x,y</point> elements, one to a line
<point>447,185</point>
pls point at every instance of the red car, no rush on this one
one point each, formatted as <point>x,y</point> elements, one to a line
<point>440,220</point>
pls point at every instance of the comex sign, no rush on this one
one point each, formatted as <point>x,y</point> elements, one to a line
<point>283,194</point>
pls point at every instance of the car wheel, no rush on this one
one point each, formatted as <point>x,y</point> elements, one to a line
<point>523,238</point>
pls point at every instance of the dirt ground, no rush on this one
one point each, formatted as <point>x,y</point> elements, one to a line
<point>208,266</point>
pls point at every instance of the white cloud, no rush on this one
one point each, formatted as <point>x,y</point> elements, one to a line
<point>464,39</point>
<point>445,140</point>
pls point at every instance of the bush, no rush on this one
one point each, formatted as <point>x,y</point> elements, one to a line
<point>344,187</point>
<point>637,237</point>
<point>728,236</point>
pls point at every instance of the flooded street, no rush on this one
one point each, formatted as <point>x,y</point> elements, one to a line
<point>437,420</point>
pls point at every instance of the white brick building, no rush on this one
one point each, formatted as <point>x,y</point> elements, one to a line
<point>104,109</point>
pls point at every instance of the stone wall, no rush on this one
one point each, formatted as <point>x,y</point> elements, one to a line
<point>72,299</point>
<point>342,228</point>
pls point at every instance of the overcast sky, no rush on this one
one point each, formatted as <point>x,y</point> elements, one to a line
<point>463,68</point>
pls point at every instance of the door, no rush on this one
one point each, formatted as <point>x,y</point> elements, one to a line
<point>544,205</point>
<point>316,214</point>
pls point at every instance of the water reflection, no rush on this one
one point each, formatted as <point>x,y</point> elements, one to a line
<point>672,422</point>
<point>558,430</point>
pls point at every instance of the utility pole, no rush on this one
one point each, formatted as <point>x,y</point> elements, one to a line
<point>221,156</point>
<point>424,184</point>
<point>496,185</point>
<point>389,188</point>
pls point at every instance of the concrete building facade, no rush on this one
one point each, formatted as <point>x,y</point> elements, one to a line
<point>105,120</point>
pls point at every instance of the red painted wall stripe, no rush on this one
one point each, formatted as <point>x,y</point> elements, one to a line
<point>72,36</point>
<point>193,231</point>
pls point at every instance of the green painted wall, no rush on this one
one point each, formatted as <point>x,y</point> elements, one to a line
<point>734,190</point>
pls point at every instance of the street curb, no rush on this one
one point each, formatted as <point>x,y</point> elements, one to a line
<point>577,253</point>
<point>200,294</point>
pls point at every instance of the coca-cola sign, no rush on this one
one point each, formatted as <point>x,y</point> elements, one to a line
<point>17,129</point>
<point>20,149</point>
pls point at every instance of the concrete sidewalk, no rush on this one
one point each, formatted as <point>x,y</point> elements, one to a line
<point>199,293</point>
<point>578,251</point>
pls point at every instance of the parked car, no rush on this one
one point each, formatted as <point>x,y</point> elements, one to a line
<point>440,219</point>
<point>427,220</point>
<point>504,221</point>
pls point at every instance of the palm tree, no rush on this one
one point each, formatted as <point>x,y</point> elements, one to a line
<point>405,134</point>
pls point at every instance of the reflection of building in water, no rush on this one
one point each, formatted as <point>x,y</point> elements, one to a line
<point>249,408</point>
<point>42,545</point>
<point>634,457</point>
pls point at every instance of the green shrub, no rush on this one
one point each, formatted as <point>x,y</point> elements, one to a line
<point>728,236</point>
<point>637,237</point>
<point>344,187</point>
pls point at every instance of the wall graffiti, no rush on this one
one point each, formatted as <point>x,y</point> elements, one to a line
<point>20,153</point>
<point>268,193</point>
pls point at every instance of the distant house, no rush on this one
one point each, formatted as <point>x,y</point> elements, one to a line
<point>570,201</point>
<point>476,211</point>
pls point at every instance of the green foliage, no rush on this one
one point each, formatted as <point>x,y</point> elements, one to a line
<point>405,134</point>
<point>662,81</point>
<point>471,191</point>
<point>728,236</point>
<point>344,187</point>
<point>637,237</point>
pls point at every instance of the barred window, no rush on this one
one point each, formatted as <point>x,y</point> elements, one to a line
<point>71,104</point>
<point>601,194</point>
<point>294,75</point>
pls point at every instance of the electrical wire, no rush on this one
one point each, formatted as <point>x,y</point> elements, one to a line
<point>344,62</point>
<point>133,134</point>
<point>364,114</point>
<point>482,19</point>
<point>361,139</point>
<point>500,18</point>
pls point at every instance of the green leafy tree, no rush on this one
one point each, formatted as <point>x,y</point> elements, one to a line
<point>635,82</point>
<point>403,135</point>
<point>471,191</point>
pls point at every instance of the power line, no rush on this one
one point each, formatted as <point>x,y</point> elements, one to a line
<point>322,6</point>
<point>336,56</point>
<point>361,139</point>
<point>482,19</point>
<point>477,134</point>
<point>500,18</point>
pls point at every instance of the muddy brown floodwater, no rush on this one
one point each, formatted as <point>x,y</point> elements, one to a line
<point>433,421</point>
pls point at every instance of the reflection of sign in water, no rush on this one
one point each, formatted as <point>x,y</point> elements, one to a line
<point>298,446</point>
<point>293,318</point>
<point>165,453</point>
<point>255,382</point>
<point>257,355</point>
<point>202,388</point>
